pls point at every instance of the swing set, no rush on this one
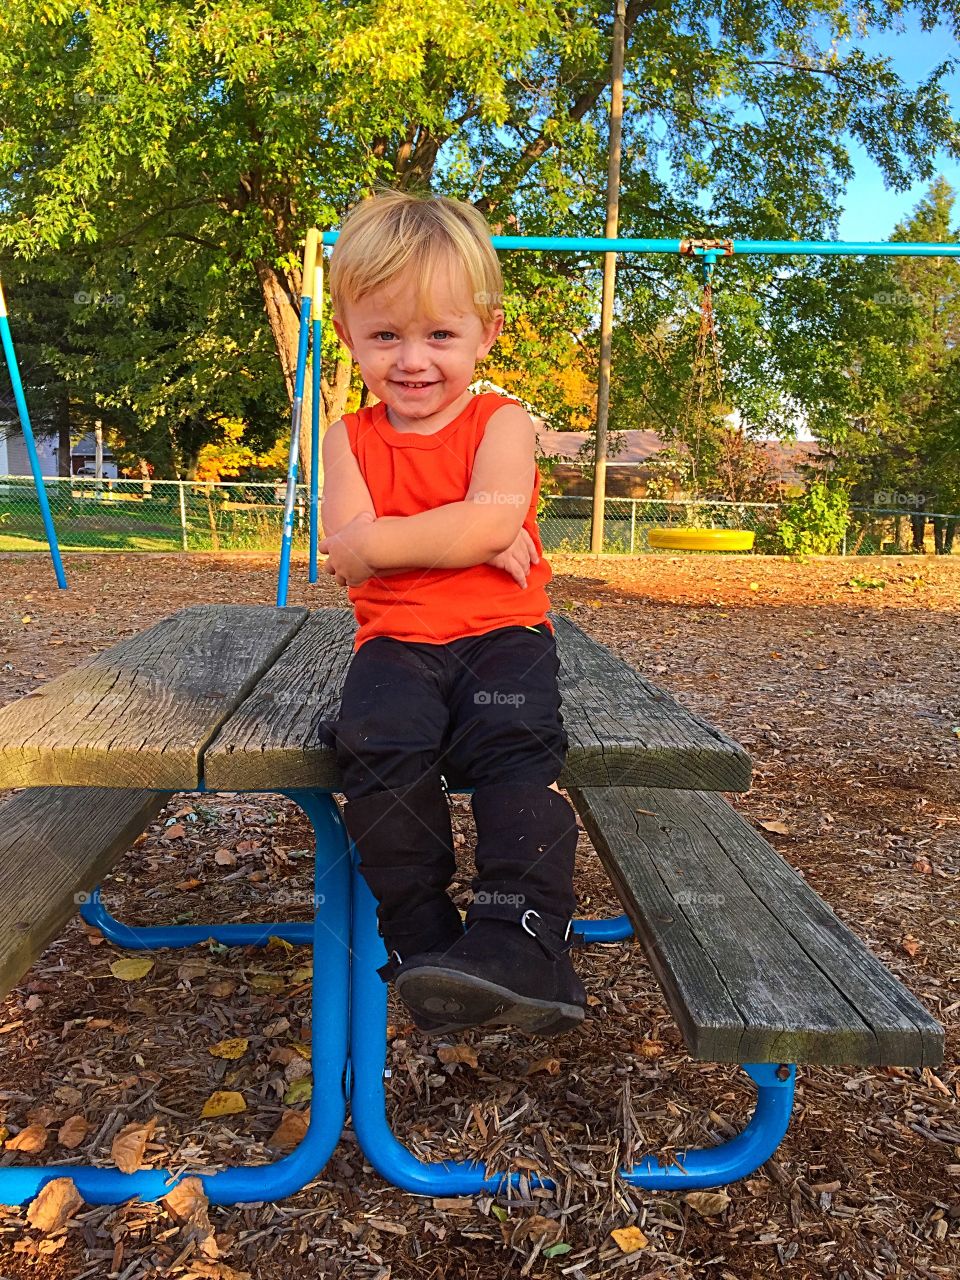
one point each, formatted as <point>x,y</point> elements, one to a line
<point>706,252</point>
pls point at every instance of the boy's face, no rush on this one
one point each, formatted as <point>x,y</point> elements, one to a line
<point>418,364</point>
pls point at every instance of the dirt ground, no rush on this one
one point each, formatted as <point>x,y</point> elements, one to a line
<point>839,677</point>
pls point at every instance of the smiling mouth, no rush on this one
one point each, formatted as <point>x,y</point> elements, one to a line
<point>414,385</point>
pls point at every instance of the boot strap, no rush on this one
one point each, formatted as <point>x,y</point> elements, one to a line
<point>554,933</point>
<point>387,972</point>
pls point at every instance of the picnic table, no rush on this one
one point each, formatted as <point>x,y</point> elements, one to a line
<point>230,698</point>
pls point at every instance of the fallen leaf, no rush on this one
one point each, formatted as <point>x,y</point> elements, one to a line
<point>130,1143</point>
<point>550,1065</point>
<point>458,1053</point>
<point>222,988</point>
<point>188,1203</point>
<point>629,1239</point>
<point>707,1203</point>
<point>224,1102</point>
<point>268,982</point>
<point>650,1049</point>
<point>132,968</point>
<point>175,831</point>
<point>556,1250</point>
<point>299,1091</point>
<point>538,1227</point>
<point>186,885</point>
<point>279,944</point>
<point>772,824</point>
<point>57,1201</point>
<point>922,865</point>
<point>291,1130</point>
<point>224,858</point>
<point>72,1132</point>
<point>31,1139</point>
<point>910,945</point>
<point>231,1049</point>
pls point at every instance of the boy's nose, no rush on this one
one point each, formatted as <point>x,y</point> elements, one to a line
<point>412,358</point>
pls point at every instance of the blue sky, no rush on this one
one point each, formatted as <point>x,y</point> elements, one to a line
<point>871,209</point>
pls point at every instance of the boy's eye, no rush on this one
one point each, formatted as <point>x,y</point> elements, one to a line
<point>385,334</point>
<point>441,333</point>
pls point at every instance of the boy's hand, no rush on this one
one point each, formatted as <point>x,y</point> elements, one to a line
<point>346,551</point>
<point>517,558</point>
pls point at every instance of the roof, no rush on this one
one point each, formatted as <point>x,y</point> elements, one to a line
<point>639,447</point>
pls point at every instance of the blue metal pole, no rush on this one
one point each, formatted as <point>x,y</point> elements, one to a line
<point>622,244</point>
<point>315,416</point>
<point>286,542</point>
<point>24,415</point>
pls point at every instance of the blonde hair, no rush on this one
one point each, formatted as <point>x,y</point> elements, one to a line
<point>395,234</point>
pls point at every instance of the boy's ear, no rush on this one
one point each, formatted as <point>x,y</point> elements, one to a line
<point>492,332</point>
<point>342,332</point>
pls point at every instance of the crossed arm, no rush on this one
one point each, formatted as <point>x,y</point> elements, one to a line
<point>485,528</point>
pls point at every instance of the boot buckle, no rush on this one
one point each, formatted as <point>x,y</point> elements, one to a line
<point>523,921</point>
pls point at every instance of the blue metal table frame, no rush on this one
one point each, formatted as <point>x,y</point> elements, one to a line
<point>348,1036</point>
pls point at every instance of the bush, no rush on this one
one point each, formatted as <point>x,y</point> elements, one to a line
<point>814,523</point>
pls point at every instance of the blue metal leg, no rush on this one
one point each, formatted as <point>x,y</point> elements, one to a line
<point>742,1155</point>
<point>368,1047</point>
<point>153,937</point>
<point>330,934</point>
<point>712,1167</point>
<point>618,929</point>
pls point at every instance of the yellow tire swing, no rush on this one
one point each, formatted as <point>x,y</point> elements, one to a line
<point>672,538</point>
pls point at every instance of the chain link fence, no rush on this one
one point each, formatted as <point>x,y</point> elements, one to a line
<point>173,515</point>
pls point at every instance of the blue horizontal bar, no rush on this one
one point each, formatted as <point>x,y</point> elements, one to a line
<point>601,244</point>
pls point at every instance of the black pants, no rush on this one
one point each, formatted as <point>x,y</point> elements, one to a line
<point>485,709</point>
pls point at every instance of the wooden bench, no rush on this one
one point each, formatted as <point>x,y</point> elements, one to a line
<point>754,965</point>
<point>56,844</point>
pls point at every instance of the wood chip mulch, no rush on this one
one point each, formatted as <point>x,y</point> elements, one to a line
<point>839,677</point>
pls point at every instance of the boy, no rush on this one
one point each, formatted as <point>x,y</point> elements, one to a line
<point>429,512</point>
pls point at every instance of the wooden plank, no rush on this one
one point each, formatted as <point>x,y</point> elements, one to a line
<point>139,714</point>
<point>755,966</point>
<point>622,729</point>
<point>275,739</point>
<point>55,843</point>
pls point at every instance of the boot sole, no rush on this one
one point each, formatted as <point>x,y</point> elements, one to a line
<point>455,1000</point>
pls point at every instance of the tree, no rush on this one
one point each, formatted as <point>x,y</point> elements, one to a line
<point>197,142</point>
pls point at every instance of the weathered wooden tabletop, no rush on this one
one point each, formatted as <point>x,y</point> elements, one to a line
<point>233,698</point>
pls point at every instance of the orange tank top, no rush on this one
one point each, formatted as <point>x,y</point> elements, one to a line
<point>408,472</point>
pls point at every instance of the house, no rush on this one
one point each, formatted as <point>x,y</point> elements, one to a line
<point>14,460</point>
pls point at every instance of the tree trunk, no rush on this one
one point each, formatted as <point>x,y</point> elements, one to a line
<point>64,463</point>
<point>918,526</point>
<point>280,289</point>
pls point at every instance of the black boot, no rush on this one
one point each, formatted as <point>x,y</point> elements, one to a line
<point>405,843</point>
<point>512,967</point>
